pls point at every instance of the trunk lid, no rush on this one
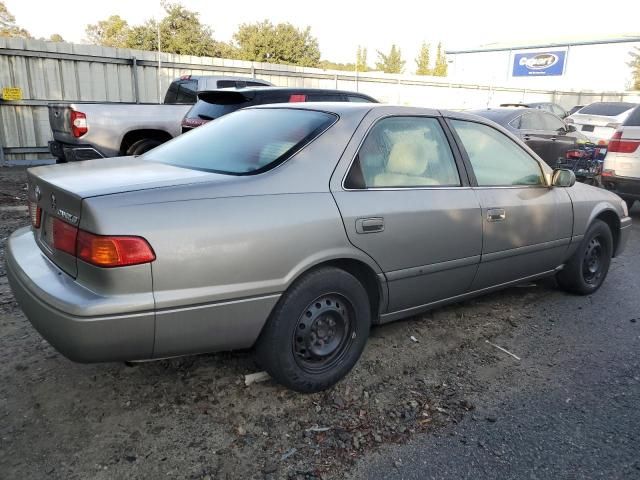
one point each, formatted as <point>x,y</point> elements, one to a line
<point>60,121</point>
<point>60,189</point>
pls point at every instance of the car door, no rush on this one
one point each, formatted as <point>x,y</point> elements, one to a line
<point>533,132</point>
<point>405,201</point>
<point>561,142</point>
<point>527,224</point>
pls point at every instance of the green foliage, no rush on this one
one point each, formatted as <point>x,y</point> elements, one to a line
<point>423,60</point>
<point>361,59</point>
<point>392,62</point>
<point>635,68</point>
<point>180,32</point>
<point>8,27</point>
<point>329,65</point>
<point>56,37</point>
<point>281,43</point>
<point>440,69</point>
<point>112,32</point>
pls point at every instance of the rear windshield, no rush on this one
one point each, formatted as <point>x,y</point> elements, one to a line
<point>634,118</point>
<point>245,142</point>
<point>209,111</point>
<point>609,109</point>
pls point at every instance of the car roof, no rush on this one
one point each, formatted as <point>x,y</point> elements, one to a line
<point>502,115</point>
<point>289,90</point>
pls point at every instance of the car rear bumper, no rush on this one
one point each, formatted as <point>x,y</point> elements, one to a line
<point>624,187</point>
<point>74,153</point>
<point>47,295</point>
<point>54,303</point>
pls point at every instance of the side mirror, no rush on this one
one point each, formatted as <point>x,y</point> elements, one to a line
<point>563,178</point>
<point>571,128</point>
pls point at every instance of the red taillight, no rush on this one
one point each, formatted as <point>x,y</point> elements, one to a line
<point>575,153</point>
<point>617,145</point>
<point>78,123</point>
<point>296,98</point>
<point>106,251</point>
<point>101,250</point>
<point>64,236</point>
<point>35,213</point>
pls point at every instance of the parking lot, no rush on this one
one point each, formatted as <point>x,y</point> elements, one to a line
<point>418,380</point>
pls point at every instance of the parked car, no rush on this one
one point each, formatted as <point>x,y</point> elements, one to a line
<point>293,228</point>
<point>598,121</point>
<point>621,172</point>
<point>545,133</point>
<point>546,106</point>
<point>90,130</point>
<point>214,104</point>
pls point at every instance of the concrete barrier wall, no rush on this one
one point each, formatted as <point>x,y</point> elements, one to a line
<point>51,71</point>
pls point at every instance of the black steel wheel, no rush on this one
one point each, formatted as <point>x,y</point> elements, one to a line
<point>317,332</point>
<point>586,270</point>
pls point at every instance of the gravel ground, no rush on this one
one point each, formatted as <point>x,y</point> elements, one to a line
<point>194,418</point>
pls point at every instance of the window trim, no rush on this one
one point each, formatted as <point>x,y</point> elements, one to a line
<point>461,167</point>
<point>469,166</point>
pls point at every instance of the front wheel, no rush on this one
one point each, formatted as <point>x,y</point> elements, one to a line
<point>586,270</point>
<point>317,331</point>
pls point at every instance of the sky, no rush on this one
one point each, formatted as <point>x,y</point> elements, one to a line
<point>340,26</point>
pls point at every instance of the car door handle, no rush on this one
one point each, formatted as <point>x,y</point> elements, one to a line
<point>496,214</point>
<point>370,225</point>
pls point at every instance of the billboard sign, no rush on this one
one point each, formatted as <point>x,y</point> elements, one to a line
<point>542,63</point>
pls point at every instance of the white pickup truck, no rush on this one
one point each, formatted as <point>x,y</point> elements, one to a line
<point>89,130</point>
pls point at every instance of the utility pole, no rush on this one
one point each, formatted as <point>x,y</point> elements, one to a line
<point>159,65</point>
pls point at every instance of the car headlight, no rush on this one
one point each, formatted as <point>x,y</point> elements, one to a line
<point>625,210</point>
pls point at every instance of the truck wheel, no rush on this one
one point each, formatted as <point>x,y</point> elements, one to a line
<point>143,146</point>
<point>317,331</point>
<point>586,270</point>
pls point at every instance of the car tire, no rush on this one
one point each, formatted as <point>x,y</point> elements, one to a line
<point>143,146</point>
<point>587,269</point>
<point>317,331</point>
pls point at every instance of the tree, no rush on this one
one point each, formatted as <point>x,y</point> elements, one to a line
<point>329,65</point>
<point>56,37</point>
<point>180,32</point>
<point>440,69</point>
<point>361,59</point>
<point>8,27</point>
<point>423,60</point>
<point>281,43</point>
<point>112,32</point>
<point>391,63</point>
<point>635,68</point>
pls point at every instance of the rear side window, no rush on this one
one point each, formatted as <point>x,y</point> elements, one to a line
<point>609,109</point>
<point>532,121</point>
<point>210,111</point>
<point>552,122</point>
<point>404,152</point>
<point>634,118</point>
<point>181,91</point>
<point>357,99</point>
<point>245,142</point>
<point>496,159</point>
<point>325,97</point>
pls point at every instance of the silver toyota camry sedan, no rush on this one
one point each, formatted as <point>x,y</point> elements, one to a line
<point>293,229</point>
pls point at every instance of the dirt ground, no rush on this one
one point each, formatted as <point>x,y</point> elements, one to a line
<point>194,418</point>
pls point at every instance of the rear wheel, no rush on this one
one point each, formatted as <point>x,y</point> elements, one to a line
<point>143,146</point>
<point>317,331</point>
<point>586,270</point>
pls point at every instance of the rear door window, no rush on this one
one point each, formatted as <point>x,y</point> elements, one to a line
<point>210,111</point>
<point>551,122</point>
<point>187,90</point>
<point>325,97</point>
<point>357,99</point>
<point>244,143</point>
<point>532,121</point>
<point>404,152</point>
<point>608,109</point>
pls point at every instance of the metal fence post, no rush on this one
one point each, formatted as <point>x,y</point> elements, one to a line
<point>134,71</point>
<point>2,159</point>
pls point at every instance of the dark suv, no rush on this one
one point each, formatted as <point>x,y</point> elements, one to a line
<point>216,103</point>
